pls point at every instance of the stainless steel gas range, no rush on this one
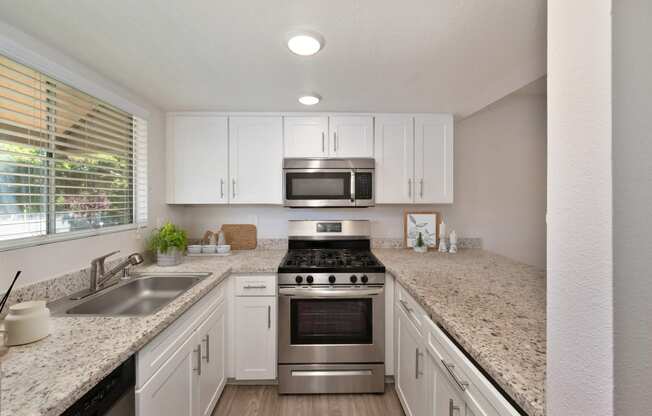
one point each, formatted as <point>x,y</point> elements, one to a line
<point>331,310</point>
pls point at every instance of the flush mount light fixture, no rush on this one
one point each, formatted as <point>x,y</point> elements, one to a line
<point>305,43</point>
<point>311,99</point>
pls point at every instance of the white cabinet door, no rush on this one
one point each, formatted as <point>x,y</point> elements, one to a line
<point>172,390</point>
<point>409,365</point>
<point>351,136</point>
<point>212,335</point>
<point>255,338</point>
<point>305,136</point>
<point>447,400</point>
<point>197,159</point>
<point>394,154</point>
<point>433,158</point>
<point>256,159</point>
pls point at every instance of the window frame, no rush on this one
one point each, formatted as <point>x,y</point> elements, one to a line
<point>24,56</point>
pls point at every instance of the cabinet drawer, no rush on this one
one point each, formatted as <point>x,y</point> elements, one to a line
<point>480,396</point>
<point>255,285</point>
<point>412,309</point>
<point>153,355</point>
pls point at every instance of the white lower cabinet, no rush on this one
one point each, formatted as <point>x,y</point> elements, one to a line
<point>181,371</point>
<point>212,377</point>
<point>255,330</point>
<point>409,364</point>
<point>433,376</point>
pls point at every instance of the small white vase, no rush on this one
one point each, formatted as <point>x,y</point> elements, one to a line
<point>172,257</point>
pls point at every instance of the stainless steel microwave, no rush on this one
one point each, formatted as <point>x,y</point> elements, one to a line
<point>322,183</point>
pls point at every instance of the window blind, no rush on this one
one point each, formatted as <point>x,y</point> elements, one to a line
<point>70,164</point>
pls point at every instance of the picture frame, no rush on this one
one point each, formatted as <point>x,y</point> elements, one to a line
<point>425,221</point>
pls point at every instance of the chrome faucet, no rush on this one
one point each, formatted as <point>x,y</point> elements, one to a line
<point>99,277</point>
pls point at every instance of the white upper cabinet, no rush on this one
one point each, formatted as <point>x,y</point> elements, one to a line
<point>433,158</point>
<point>256,159</point>
<point>351,136</point>
<point>306,136</point>
<point>394,154</point>
<point>197,159</point>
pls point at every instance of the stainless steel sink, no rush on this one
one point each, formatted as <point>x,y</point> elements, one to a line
<point>143,295</point>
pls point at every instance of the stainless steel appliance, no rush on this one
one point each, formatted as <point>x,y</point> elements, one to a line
<point>331,310</point>
<point>328,182</point>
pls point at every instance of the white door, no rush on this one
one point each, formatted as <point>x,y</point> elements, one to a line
<point>394,154</point>
<point>409,365</point>
<point>305,136</point>
<point>351,136</point>
<point>433,154</point>
<point>197,159</point>
<point>212,335</point>
<point>256,159</point>
<point>255,338</point>
<point>172,390</point>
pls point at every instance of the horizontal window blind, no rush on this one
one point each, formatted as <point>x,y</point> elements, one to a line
<point>69,163</point>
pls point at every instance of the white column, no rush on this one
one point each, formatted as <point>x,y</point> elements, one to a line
<point>579,217</point>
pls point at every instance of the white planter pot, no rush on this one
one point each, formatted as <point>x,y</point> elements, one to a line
<point>171,257</point>
<point>422,249</point>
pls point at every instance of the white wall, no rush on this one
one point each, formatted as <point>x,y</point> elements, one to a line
<point>632,156</point>
<point>500,155</point>
<point>579,316</point>
<point>44,262</point>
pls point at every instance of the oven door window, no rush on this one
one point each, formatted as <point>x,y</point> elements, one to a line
<point>318,185</point>
<point>331,321</point>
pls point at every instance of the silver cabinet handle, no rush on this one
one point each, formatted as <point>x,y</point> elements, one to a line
<point>450,367</point>
<point>323,142</point>
<point>421,188</point>
<point>207,340</point>
<point>410,188</point>
<point>198,351</point>
<point>452,408</point>
<point>269,317</point>
<point>221,188</point>
<point>417,371</point>
<point>233,189</point>
<point>405,305</point>
<point>335,142</point>
<point>255,287</point>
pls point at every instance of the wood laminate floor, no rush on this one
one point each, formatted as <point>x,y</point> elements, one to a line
<point>265,401</point>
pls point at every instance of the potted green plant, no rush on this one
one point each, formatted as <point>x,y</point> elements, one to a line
<point>420,245</point>
<point>168,242</point>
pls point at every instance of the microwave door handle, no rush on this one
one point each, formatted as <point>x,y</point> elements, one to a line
<point>352,187</point>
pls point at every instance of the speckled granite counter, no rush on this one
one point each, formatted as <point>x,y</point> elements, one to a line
<point>494,307</point>
<point>46,377</point>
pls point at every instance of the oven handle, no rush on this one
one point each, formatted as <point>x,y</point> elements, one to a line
<point>326,293</point>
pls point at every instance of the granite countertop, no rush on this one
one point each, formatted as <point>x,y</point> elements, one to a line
<point>494,307</point>
<point>46,377</point>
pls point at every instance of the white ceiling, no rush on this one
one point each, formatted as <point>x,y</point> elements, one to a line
<point>380,55</point>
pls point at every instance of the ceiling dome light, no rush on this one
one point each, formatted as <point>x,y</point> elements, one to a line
<point>309,99</point>
<point>305,43</point>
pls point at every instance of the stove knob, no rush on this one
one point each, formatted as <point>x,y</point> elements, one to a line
<point>331,279</point>
<point>365,279</point>
<point>309,279</point>
<point>354,278</point>
<point>298,279</point>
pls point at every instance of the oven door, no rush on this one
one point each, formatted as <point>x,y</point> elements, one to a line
<point>331,325</point>
<point>318,188</point>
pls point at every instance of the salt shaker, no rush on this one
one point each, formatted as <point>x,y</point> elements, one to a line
<point>453,241</point>
<point>443,248</point>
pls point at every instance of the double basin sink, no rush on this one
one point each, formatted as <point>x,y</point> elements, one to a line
<point>144,294</point>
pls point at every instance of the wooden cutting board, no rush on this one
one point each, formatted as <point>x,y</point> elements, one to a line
<point>240,236</point>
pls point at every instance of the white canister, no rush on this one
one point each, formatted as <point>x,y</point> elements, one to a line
<point>26,322</point>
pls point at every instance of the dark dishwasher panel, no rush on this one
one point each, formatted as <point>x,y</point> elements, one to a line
<point>114,395</point>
